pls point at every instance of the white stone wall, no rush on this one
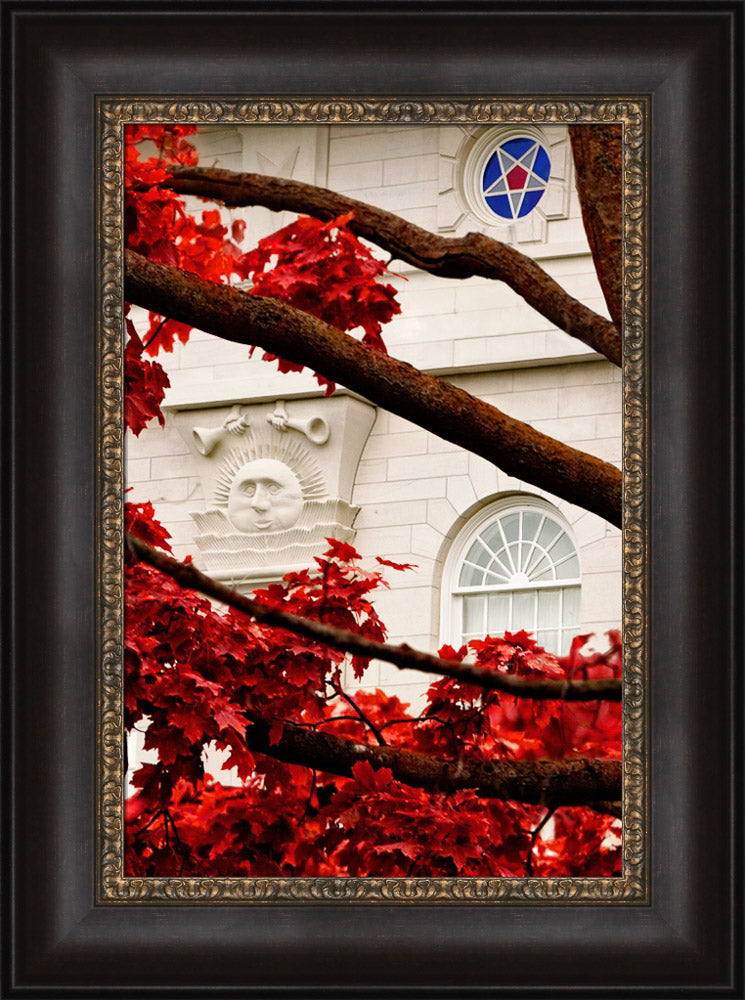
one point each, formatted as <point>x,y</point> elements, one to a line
<point>414,489</point>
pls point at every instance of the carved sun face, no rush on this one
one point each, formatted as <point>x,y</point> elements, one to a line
<point>265,496</point>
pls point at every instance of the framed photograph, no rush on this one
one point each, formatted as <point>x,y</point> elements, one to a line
<point>379,664</point>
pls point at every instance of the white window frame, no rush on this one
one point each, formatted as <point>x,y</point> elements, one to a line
<point>451,593</point>
<point>477,158</point>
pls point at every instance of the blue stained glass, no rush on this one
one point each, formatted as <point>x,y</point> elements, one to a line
<point>517,147</point>
<point>500,205</point>
<point>492,171</point>
<point>525,164</point>
<point>542,165</point>
<point>530,201</point>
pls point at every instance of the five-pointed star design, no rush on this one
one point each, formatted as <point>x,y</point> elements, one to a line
<point>515,177</point>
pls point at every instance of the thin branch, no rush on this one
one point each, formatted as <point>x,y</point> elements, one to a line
<point>403,656</point>
<point>534,836</point>
<point>361,716</point>
<point>157,331</point>
<point>436,405</point>
<point>449,257</point>
<point>552,783</point>
<point>309,800</point>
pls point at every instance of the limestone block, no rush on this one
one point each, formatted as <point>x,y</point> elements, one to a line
<point>420,489</point>
<point>460,493</point>
<point>423,466</point>
<point>383,514</point>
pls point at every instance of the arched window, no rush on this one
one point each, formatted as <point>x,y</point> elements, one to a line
<point>513,567</point>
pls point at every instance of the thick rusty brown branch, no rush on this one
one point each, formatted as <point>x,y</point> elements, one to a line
<point>433,404</point>
<point>597,153</point>
<point>575,782</point>
<point>448,257</point>
<point>404,657</point>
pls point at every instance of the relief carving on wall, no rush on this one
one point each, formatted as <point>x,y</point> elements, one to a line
<point>276,480</point>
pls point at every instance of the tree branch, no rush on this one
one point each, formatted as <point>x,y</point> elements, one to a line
<point>438,406</point>
<point>553,783</point>
<point>597,157</point>
<point>403,656</point>
<point>448,257</point>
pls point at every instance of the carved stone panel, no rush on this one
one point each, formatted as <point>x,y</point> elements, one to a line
<point>277,480</point>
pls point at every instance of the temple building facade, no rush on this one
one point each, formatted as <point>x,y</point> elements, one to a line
<point>255,468</point>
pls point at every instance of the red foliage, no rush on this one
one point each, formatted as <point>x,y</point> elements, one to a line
<point>139,520</point>
<point>145,383</point>
<point>158,226</point>
<point>322,268</point>
<point>197,677</point>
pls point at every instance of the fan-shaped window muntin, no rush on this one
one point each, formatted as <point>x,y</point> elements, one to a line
<point>520,571</point>
<point>519,549</point>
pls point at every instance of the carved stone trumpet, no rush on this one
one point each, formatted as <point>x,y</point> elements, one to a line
<point>316,429</point>
<point>207,438</point>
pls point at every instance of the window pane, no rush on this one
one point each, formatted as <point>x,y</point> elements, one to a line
<point>505,558</point>
<point>523,610</point>
<point>562,547</point>
<point>548,608</point>
<point>531,524</point>
<point>471,576</point>
<point>526,553</point>
<point>498,615</point>
<point>473,615</point>
<point>492,537</point>
<point>544,574</point>
<point>566,641</point>
<point>478,553</point>
<point>568,570</point>
<point>549,639</point>
<point>570,615</point>
<point>510,526</point>
<point>536,558</point>
<point>496,573</point>
<point>549,531</point>
<point>542,570</point>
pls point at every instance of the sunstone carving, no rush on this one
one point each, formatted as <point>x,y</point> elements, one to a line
<point>277,480</point>
<point>265,495</point>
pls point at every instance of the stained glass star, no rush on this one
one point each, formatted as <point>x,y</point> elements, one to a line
<point>515,177</point>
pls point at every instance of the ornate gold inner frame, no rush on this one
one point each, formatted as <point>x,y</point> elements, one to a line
<point>112,885</point>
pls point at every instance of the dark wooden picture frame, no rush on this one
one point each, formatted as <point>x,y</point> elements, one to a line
<point>118,281</point>
<point>689,934</point>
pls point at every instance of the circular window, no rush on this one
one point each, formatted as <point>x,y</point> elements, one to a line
<point>506,174</point>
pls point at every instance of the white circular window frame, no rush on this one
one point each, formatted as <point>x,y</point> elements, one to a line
<point>478,157</point>
<point>513,503</point>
